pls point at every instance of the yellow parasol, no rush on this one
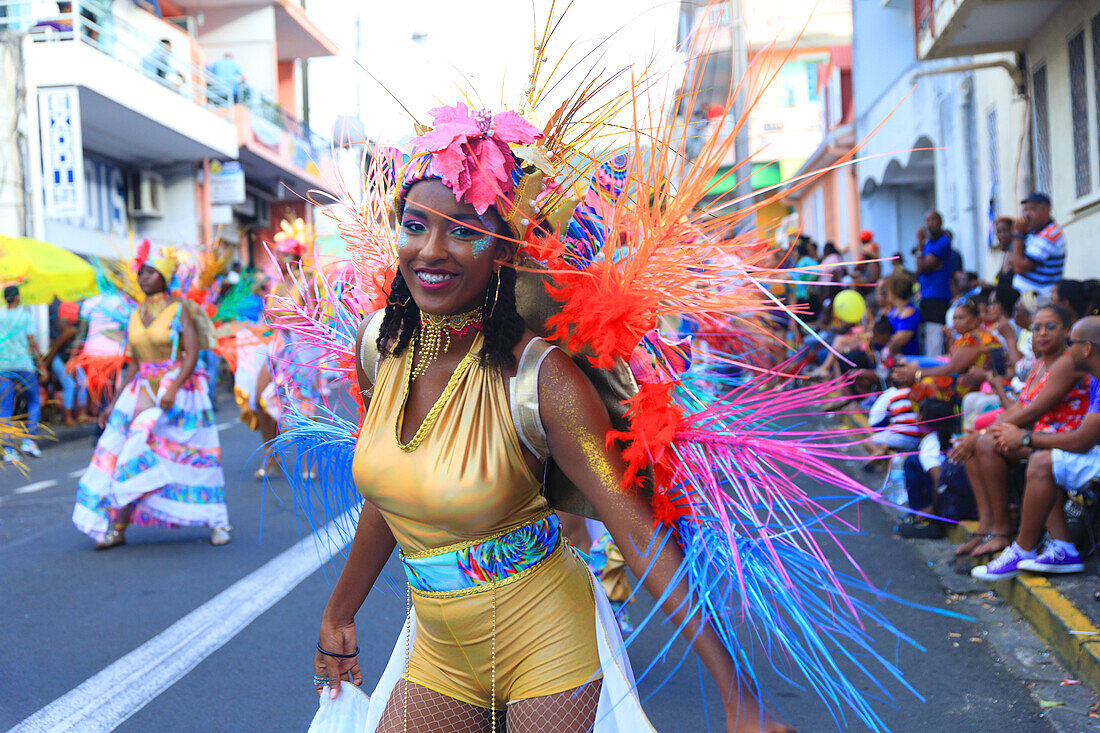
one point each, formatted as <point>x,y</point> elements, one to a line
<point>44,272</point>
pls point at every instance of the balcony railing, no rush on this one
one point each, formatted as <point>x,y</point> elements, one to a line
<point>267,109</point>
<point>93,23</point>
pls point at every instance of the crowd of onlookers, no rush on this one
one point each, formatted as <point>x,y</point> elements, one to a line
<point>984,393</point>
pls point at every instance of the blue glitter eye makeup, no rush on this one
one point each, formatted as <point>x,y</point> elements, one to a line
<point>481,245</point>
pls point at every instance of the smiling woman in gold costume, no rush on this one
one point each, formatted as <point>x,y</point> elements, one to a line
<point>464,407</point>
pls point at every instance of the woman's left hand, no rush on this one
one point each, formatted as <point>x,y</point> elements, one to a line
<point>1008,437</point>
<point>168,399</point>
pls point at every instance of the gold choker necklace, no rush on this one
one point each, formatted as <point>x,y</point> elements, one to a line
<point>436,332</point>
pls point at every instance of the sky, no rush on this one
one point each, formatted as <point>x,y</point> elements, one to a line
<point>428,52</point>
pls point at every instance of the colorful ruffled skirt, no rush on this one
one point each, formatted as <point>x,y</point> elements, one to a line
<point>166,464</point>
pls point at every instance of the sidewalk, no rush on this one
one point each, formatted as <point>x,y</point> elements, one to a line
<point>1061,609</point>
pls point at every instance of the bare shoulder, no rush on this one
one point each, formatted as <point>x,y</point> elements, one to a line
<point>564,389</point>
<point>185,312</point>
<point>1063,365</point>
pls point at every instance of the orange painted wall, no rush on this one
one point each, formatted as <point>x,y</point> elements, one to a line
<point>286,89</point>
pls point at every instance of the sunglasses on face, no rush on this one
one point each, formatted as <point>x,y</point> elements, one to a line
<point>1046,326</point>
<point>1072,342</point>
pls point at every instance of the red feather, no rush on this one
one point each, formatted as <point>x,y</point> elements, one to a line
<point>599,315</point>
<point>666,510</point>
<point>653,422</point>
<point>141,254</point>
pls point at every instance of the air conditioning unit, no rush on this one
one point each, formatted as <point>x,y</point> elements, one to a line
<point>146,194</point>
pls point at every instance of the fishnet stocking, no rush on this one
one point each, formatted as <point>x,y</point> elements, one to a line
<point>572,711</point>
<point>430,712</point>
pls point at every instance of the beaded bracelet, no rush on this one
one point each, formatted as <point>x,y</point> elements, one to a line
<point>338,656</point>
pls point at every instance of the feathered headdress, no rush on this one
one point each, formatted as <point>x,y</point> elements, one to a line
<point>488,160</point>
<point>164,261</point>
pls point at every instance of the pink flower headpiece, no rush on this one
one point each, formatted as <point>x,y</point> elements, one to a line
<point>291,247</point>
<point>469,151</point>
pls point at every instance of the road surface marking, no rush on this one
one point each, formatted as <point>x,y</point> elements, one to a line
<point>77,473</point>
<point>36,486</point>
<point>104,701</point>
<point>224,426</point>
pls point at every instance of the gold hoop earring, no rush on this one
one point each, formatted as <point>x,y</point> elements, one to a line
<point>401,305</point>
<point>496,296</point>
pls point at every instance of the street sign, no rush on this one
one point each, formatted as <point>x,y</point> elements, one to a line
<point>226,182</point>
<point>62,152</point>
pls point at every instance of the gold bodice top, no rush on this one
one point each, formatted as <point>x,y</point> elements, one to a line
<point>153,342</point>
<point>466,480</point>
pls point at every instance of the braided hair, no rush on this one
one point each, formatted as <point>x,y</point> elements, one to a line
<point>502,328</point>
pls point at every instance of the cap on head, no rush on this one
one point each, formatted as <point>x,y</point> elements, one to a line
<point>1035,197</point>
<point>11,292</point>
<point>866,236</point>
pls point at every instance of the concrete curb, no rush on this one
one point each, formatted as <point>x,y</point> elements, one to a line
<point>1073,636</point>
<point>1068,631</point>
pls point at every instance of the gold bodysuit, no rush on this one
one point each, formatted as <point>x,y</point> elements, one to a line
<point>468,481</point>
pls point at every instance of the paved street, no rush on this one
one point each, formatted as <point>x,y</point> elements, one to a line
<point>95,608</point>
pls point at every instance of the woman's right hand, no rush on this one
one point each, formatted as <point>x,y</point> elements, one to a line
<point>337,637</point>
<point>101,421</point>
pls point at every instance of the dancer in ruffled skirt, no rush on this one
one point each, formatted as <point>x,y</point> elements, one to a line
<point>158,462</point>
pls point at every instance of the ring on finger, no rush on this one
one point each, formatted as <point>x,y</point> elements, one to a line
<point>319,681</point>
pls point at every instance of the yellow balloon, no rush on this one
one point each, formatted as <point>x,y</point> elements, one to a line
<point>849,306</point>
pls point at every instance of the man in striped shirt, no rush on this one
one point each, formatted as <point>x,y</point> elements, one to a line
<point>1038,247</point>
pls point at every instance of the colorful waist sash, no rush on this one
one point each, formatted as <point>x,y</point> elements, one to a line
<point>472,566</point>
<point>157,369</point>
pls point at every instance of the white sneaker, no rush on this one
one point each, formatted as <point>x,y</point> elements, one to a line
<point>10,455</point>
<point>30,448</point>
<point>219,536</point>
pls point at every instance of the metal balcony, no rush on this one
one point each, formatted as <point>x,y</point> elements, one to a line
<point>948,28</point>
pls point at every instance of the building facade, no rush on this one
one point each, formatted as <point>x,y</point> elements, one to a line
<point>824,191</point>
<point>1042,130</point>
<point>180,122</point>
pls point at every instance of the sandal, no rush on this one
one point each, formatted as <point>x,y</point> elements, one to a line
<point>973,539</point>
<point>114,537</point>
<point>986,539</point>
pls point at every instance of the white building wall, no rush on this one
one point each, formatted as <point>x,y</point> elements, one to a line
<point>1003,152</point>
<point>247,33</point>
<point>918,120</point>
<point>13,203</point>
<point>1079,217</point>
<point>179,226</point>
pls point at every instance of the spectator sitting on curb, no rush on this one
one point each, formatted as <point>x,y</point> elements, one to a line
<point>933,484</point>
<point>903,316</point>
<point>1054,399</point>
<point>894,419</point>
<point>1059,461</point>
<point>972,348</point>
<point>1002,231</point>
